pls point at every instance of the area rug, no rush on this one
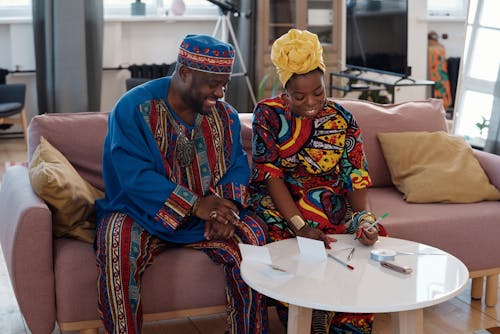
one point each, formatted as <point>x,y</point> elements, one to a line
<point>10,164</point>
<point>492,330</point>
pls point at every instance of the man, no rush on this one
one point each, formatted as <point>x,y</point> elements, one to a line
<point>175,173</point>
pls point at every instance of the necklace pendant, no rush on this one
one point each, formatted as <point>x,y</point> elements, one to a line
<point>184,150</point>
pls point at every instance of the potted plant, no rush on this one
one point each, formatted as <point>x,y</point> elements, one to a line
<point>271,81</point>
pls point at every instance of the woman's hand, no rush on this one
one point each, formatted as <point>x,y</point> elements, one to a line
<point>313,233</point>
<point>366,234</point>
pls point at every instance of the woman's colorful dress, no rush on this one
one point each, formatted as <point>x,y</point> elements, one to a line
<point>321,160</point>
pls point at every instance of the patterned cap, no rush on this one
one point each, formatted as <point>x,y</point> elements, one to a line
<point>207,54</point>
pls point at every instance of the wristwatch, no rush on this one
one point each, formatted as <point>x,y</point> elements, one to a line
<point>297,222</point>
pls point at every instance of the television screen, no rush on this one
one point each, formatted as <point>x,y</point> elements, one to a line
<point>376,36</point>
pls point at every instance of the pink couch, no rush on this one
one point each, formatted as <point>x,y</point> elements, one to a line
<point>55,279</point>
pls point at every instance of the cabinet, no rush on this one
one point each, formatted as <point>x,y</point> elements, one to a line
<point>275,17</point>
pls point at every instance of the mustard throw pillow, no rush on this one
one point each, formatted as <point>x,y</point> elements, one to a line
<point>435,167</point>
<point>68,195</point>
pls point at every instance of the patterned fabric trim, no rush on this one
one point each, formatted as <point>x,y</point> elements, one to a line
<point>206,63</point>
<point>177,206</point>
<point>208,168</point>
<point>215,127</point>
<point>234,191</point>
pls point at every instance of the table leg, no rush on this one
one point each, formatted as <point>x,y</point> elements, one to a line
<point>408,322</point>
<point>299,319</point>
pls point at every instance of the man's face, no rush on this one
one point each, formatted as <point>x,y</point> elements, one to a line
<point>205,89</point>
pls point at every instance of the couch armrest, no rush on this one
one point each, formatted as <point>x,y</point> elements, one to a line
<point>26,239</point>
<point>490,163</point>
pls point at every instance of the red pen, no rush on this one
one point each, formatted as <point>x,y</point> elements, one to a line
<point>340,261</point>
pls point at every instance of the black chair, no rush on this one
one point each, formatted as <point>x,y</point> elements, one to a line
<point>12,98</point>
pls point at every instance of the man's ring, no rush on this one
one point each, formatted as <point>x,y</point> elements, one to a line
<point>213,215</point>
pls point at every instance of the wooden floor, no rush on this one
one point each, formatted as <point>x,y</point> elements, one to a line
<point>460,315</point>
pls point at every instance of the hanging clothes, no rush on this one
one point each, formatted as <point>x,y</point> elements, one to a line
<point>438,69</point>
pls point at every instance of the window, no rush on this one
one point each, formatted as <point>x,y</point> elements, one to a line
<point>15,8</point>
<point>159,7</point>
<point>22,8</point>
<point>479,72</point>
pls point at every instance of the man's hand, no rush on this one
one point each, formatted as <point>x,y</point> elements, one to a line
<point>218,214</point>
<point>215,230</point>
<point>224,210</point>
<point>313,233</point>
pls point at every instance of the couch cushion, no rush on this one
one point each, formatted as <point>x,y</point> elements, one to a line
<point>373,118</point>
<point>435,167</point>
<point>468,231</point>
<point>246,134</point>
<point>70,198</point>
<point>78,136</point>
<point>178,279</point>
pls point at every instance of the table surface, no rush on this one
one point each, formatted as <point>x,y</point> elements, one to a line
<point>327,285</point>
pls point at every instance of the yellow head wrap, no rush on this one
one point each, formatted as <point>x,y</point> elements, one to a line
<point>297,52</point>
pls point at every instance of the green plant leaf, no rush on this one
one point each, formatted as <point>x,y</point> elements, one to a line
<point>272,78</point>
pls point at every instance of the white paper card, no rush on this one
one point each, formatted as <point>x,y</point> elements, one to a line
<point>255,253</point>
<point>312,249</point>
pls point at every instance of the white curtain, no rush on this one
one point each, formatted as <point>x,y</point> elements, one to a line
<point>68,52</point>
<point>493,139</point>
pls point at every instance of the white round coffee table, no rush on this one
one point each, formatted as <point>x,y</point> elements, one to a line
<point>327,285</point>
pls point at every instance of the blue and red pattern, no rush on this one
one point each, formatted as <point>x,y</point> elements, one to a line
<point>125,249</point>
<point>207,54</point>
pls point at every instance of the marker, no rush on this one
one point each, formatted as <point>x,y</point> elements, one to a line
<point>372,225</point>
<point>341,262</point>
<point>212,190</point>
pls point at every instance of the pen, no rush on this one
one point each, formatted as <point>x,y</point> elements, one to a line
<point>372,225</point>
<point>212,190</point>
<point>351,253</point>
<point>341,262</point>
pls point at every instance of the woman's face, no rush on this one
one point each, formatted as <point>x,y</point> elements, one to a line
<point>306,93</point>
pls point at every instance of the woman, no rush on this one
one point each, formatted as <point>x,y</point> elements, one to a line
<point>310,172</point>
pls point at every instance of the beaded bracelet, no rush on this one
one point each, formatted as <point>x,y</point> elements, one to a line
<point>363,216</point>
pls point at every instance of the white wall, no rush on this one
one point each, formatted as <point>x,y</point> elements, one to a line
<point>137,40</point>
<point>143,42</point>
<point>127,40</point>
<point>455,29</point>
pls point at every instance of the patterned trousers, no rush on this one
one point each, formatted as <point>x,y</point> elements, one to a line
<point>124,250</point>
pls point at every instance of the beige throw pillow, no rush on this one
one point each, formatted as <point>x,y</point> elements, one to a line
<point>435,167</point>
<point>69,196</point>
